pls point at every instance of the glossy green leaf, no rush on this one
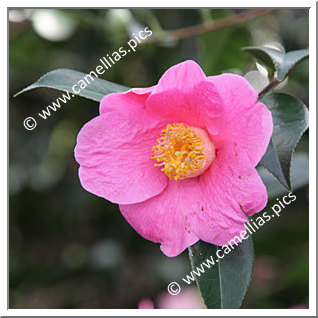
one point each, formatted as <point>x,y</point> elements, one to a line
<point>268,57</point>
<point>290,120</point>
<point>224,284</point>
<point>276,60</point>
<point>290,60</point>
<point>299,176</point>
<point>65,79</point>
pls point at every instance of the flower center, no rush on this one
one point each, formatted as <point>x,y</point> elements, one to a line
<point>183,152</point>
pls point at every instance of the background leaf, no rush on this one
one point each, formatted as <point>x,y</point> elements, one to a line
<point>270,58</point>
<point>65,79</point>
<point>291,59</point>
<point>275,60</point>
<point>299,176</point>
<point>290,119</point>
<point>224,284</point>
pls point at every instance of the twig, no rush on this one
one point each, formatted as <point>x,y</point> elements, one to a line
<point>273,83</point>
<point>218,24</point>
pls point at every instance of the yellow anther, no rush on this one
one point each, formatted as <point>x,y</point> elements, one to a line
<point>180,151</point>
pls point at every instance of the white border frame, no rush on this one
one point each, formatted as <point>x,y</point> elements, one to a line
<point>161,312</point>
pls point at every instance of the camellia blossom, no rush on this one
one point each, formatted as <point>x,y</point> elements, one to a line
<point>190,298</point>
<point>179,157</point>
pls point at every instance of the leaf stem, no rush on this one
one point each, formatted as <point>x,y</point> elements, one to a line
<point>273,83</point>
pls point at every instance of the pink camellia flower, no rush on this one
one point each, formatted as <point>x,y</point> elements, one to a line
<point>146,304</point>
<point>179,157</point>
<point>188,299</point>
<point>301,306</point>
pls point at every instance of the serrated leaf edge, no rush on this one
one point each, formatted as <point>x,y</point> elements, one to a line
<point>292,153</point>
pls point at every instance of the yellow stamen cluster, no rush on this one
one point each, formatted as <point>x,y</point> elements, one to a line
<point>179,151</point>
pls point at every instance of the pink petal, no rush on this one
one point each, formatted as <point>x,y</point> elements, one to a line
<point>235,91</point>
<point>208,207</point>
<point>247,123</point>
<point>122,102</point>
<point>163,218</point>
<point>180,77</point>
<point>188,298</point>
<point>198,106</point>
<point>229,186</point>
<point>142,91</point>
<point>114,152</point>
<point>184,95</point>
<point>146,304</point>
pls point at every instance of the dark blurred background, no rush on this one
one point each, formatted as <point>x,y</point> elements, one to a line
<point>71,249</point>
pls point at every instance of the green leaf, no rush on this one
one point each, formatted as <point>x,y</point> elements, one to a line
<point>290,120</point>
<point>299,176</point>
<point>291,59</point>
<point>224,284</point>
<point>276,60</point>
<point>268,57</point>
<point>65,79</point>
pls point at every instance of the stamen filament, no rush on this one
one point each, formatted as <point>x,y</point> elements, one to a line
<point>181,151</point>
